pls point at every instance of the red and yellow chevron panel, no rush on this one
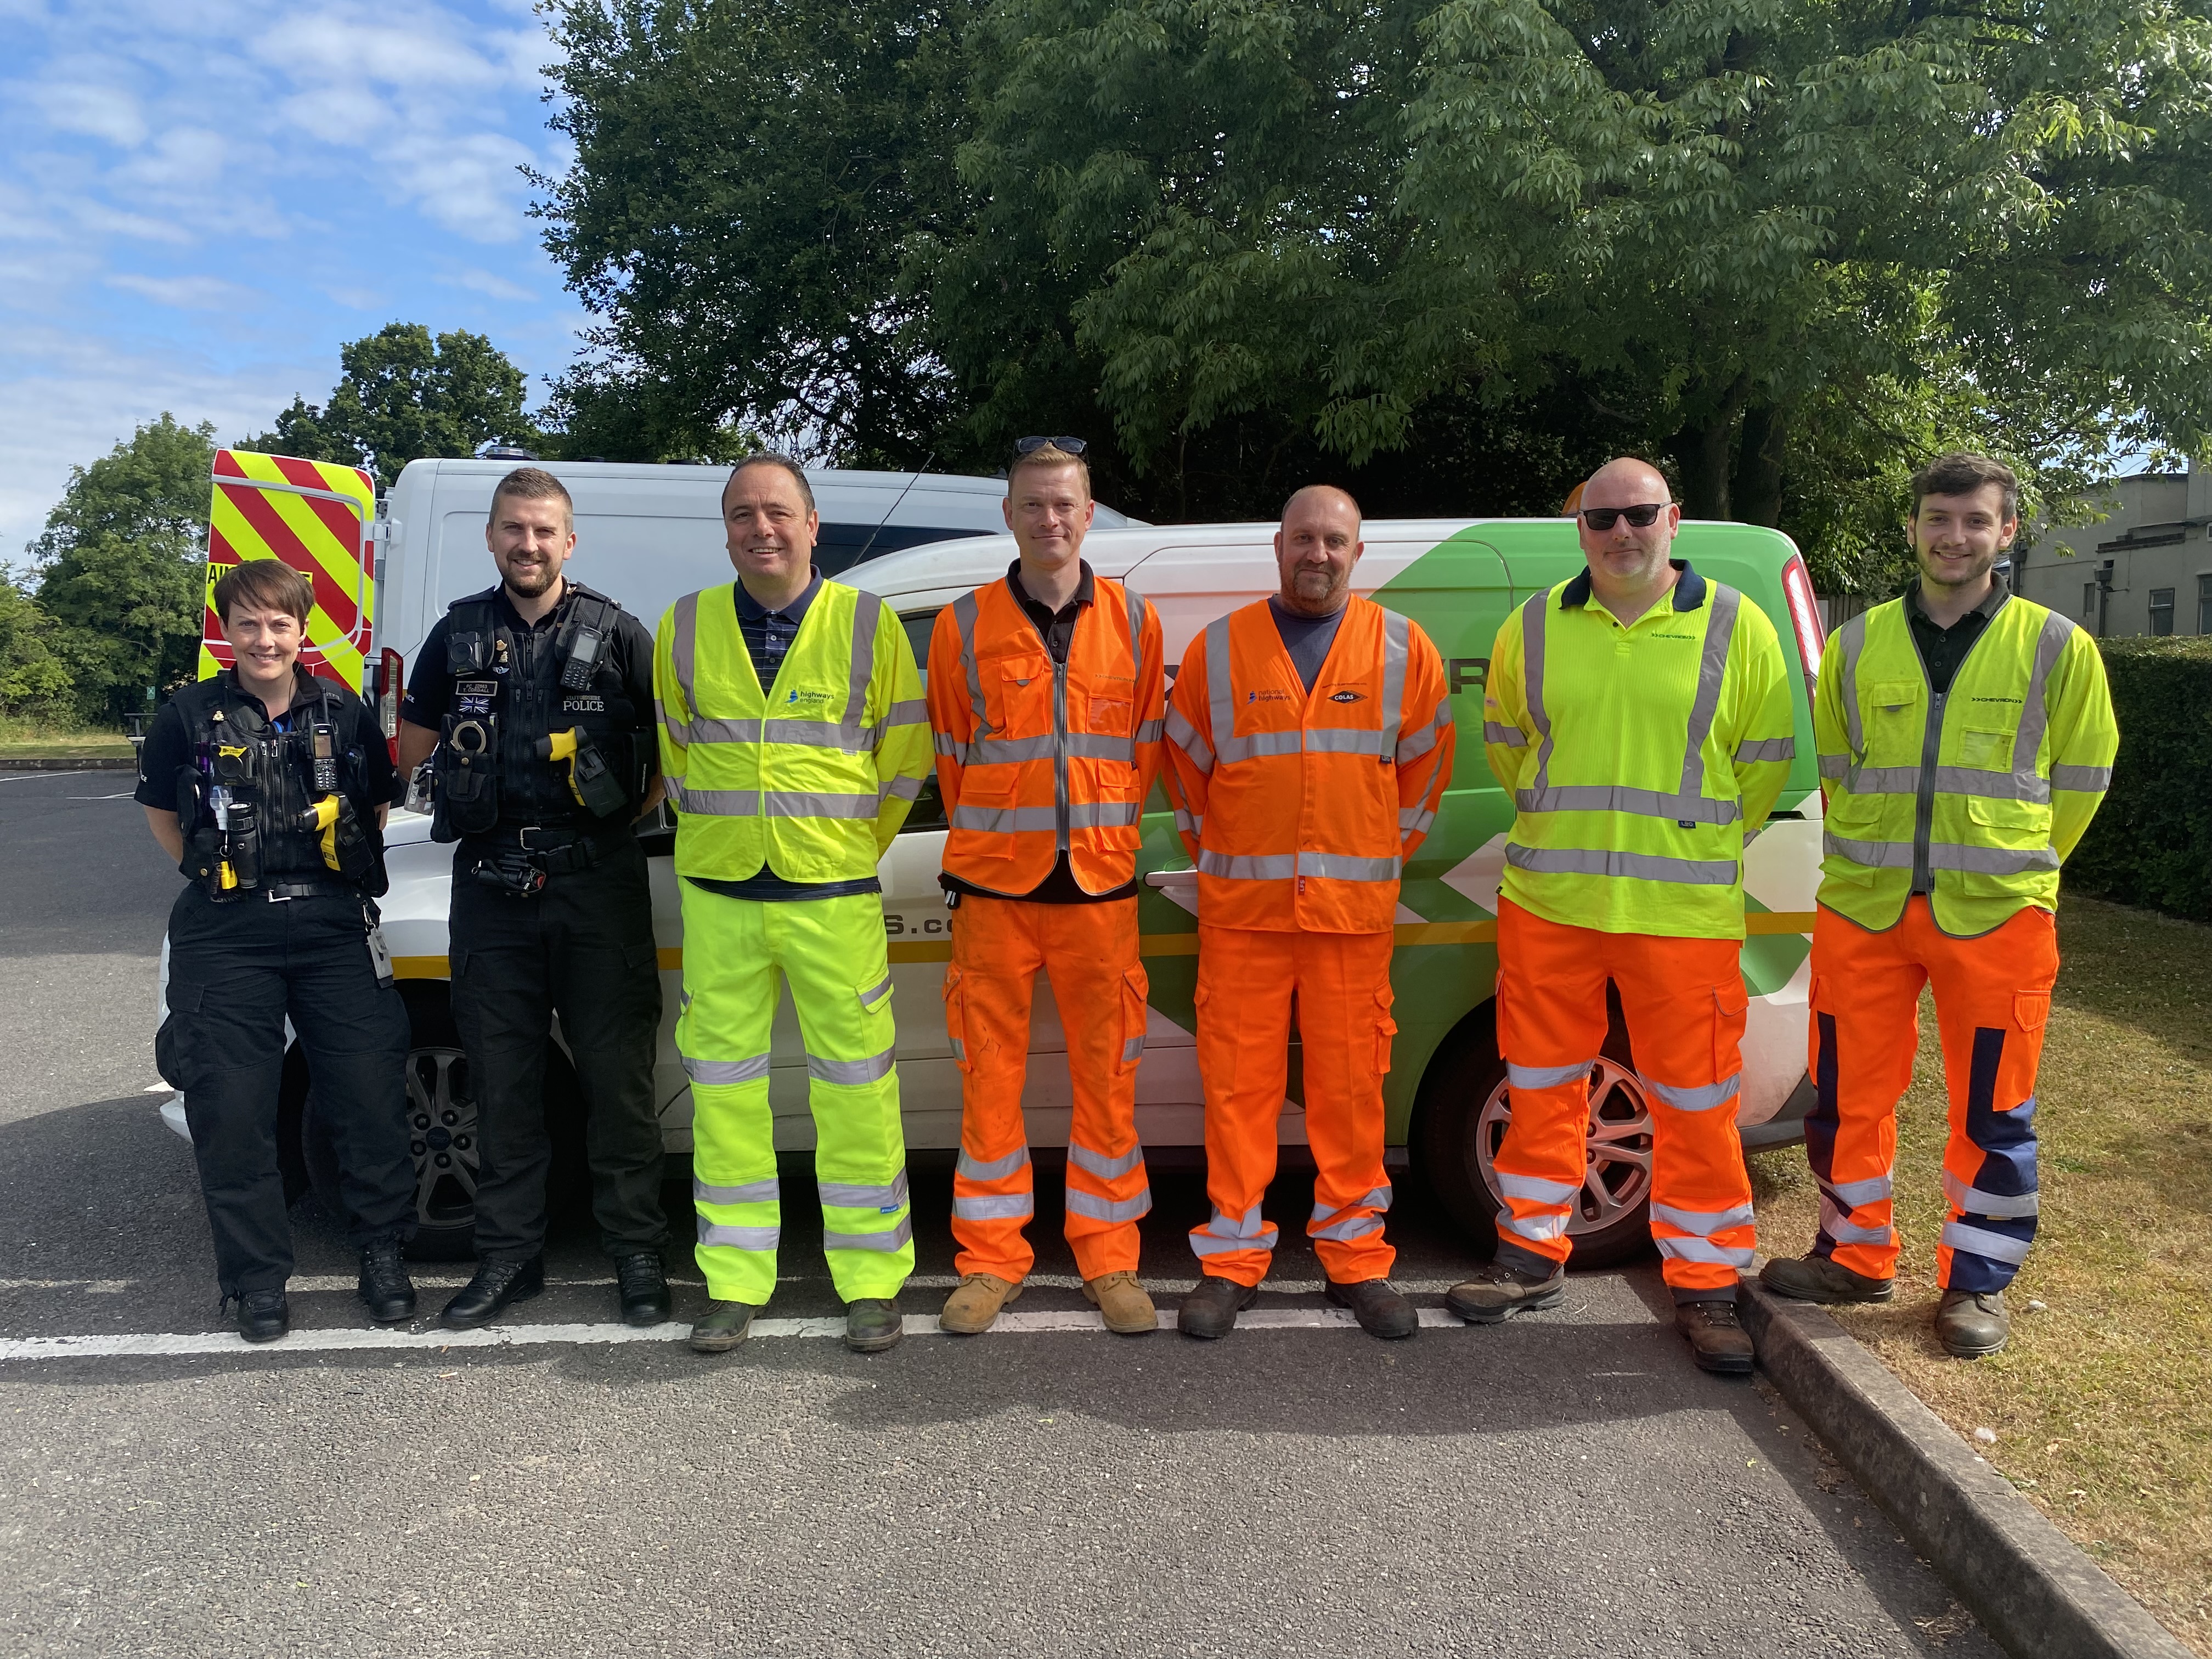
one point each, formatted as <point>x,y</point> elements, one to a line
<point>319,517</point>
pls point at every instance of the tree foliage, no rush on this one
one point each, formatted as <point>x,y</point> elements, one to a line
<point>33,678</point>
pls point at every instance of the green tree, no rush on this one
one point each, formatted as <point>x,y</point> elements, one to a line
<point>33,678</point>
<point>404,396</point>
<point>122,567</point>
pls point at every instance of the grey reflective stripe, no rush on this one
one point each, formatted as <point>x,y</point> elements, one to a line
<point>1767,748</point>
<point>1703,1223</point>
<point>1616,797</point>
<point>1839,1227</point>
<point>718,803</point>
<point>849,1195</point>
<point>1133,1049</point>
<point>1104,815</point>
<point>1949,780</point>
<point>1357,1226</point>
<point>1098,1164</point>
<point>1191,823</point>
<point>1098,745</point>
<point>1874,854</point>
<point>1205,1244</point>
<point>809,804</point>
<point>707,731</point>
<point>963,617</point>
<point>1851,641</point>
<point>1005,820</point>
<point>997,1170</point>
<point>717,1073</point>
<point>900,787</point>
<point>1009,751</point>
<point>848,740</point>
<point>896,1238</point>
<point>753,1192</point>
<point>1547,1077</point>
<point>1397,650</point>
<point>1511,736</point>
<point>1978,1241</point>
<point>1702,1098</point>
<point>1249,1226</point>
<point>1989,860</point>
<point>1532,675</point>
<point>867,611</point>
<point>1872,1190</point>
<point>1834,765</point>
<point>1335,740</point>
<point>1135,601</point>
<point>1414,820</point>
<point>1642,866</point>
<point>1883,780</point>
<point>1703,1250</point>
<point>876,994</point>
<point>854,1071</point>
<point>1712,670</point>
<point>1261,745</point>
<point>1342,866</point>
<point>914,711</point>
<point>1281,866</point>
<point>1150,731</point>
<point>1220,695</point>
<point>739,1238</point>
<point>2035,711</point>
<point>945,743</point>
<point>2086,778</point>
<point>1184,736</point>
<point>1537,1189</point>
<point>1417,743</point>
<point>1375,1198</point>
<point>683,650</point>
<point>1276,866</point>
<point>1537,1229</point>
<point>1102,1209</point>
<point>1974,1201</point>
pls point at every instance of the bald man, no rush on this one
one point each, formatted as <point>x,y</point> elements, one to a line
<point>1640,715</point>
<point>1310,741</point>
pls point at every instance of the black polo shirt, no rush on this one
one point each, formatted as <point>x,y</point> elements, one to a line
<point>1942,649</point>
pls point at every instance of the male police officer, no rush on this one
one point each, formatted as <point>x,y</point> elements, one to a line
<point>269,788</point>
<point>535,698</point>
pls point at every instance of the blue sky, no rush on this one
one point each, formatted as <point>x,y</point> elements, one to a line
<point>199,203</point>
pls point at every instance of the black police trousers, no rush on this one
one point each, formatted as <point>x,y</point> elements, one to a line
<point>582,948</point>
<point>236,971</point>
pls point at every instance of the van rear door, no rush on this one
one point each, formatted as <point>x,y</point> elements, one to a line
<point>319,517</point>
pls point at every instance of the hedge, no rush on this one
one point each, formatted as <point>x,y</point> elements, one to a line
<point>2151,844</point>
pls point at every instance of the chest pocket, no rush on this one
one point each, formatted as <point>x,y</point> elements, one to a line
<point>1025,694</point>
<point>1992,751</point>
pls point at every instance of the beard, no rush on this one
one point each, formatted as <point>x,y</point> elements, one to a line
<point>531,580</point>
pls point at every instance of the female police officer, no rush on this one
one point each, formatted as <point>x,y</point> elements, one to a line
<point>269,788</point>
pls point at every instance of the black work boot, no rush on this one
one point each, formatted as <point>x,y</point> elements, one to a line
<point>497,1286</point>
<point>726,1325</point>
<point>1717,1339</point>
<point>643,1288</point>
<point>1380,1310</point>
<point>1972,1323</point>
<point>874,1323</point>
<point>384,1285</point>
<point>1210,1311</point>
<point>262,1315</point>
<point>1498,1291</point>
<point>1817,1278</point>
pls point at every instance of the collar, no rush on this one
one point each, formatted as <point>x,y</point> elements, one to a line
<point>1085,588</point>
<point>1688,593</point>
<point>302,683</point>
<point>751,609</point>
<point>503,602</point>
<point>1987,608</point>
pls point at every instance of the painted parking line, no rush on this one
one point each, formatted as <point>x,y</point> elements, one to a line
<point>158,1344</point>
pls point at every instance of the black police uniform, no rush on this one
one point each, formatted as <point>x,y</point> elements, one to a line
<point>551,910</point>
<point>269,929</point>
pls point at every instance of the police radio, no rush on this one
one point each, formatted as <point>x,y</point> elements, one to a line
<point>323,758</point>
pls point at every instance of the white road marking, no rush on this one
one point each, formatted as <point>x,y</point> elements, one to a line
<point>126,796</point>
<point>176,1344</point>
<point>31,777</point>
<point>304,1284</point>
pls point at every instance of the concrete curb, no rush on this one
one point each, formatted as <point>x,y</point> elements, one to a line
<point>2031,1588</point>
<point>71,764</point>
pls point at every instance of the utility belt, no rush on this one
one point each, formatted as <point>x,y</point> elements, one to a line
<point>517,861</point>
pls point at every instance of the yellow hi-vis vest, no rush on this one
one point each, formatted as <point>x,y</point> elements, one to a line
<point>1974,797</point>
<point>1639,757</point>
<point>812,777</point>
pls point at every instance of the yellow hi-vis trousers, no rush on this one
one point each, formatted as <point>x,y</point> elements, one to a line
<point>738,956</point>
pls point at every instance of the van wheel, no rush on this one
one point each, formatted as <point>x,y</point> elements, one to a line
<point>1463,1114</point>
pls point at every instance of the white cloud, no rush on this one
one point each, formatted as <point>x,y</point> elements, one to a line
<point>189,293</point>
<point>484,281</point>
<point>471,185</point>
<point>98,111</point>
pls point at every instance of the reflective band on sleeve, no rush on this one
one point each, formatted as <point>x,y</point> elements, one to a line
<point>1150,731</point>
<point>1834,765</point>
<point>717,1073</point>
<point>896,1238</point>
<point>1537,1229</point>
<point>994,1207</point>
<point>1702,1098</point>
<point>1997,1206</point>
<point>1839,1227</point>
<point>1703,1250</point>
<point>1767,748</point>
<point>753,1192</point>
<point>997,1170</point>
<point>851,1072</point>
<point>946,743</point>
<point>1638,803</point>
<point>848,1195</point>
<point>866,613</point>
<point>739,1238</point>
<point>1872,1190</point>
<point>1413,746</point>
<point>1641,866</point>
<point>898,788</point>
<point>2088,779</point>
<point>1535,1189</point>
<point>876,994</point>
<point>914,711</point>
<point>1099,1209</point>
<point>1184,736</point>
<point>1191,823</point>
<point>1098,1164</point>
<point>1357,1226</point>
<point>1511,736</point>
<point>1703,1223</point>
<point>1547,1077</point>
<point>1979,1241</point>
<point>1415,820</point>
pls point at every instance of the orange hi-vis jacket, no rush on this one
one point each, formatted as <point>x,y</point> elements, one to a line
<point>1035,757</point>
<point>1300,809</point>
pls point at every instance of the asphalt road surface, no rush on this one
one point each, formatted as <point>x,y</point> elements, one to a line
<point>1567,1485</point>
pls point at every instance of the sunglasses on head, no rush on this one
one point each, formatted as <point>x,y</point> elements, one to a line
<point>1067,445</point>
<point>1604,518</point>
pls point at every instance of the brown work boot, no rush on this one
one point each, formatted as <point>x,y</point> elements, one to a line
<point>1818,1279</point>
<point>1497,1291</point>
<point>1972,1323</point>
<point>974,1304</point>
<point>1717,1340</point>
<point>1122,1304</point>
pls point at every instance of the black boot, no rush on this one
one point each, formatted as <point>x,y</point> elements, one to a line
<point>497,1284</point>
<point>643,1288</point>
<point>384,1284</point>
<point>873,1324</point>
<point>262,1315</point>
<point>1210,1311</point>
<point>1717,1340</point>
<point>1377,1305</point>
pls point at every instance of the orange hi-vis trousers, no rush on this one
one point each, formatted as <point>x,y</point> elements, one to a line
<point>1685,1002</point>
<point>1248,978</point>
<point>1089,952</point>
<point>1992,997</point>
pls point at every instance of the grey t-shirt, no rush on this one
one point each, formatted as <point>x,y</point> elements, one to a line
<point>1306,638</point>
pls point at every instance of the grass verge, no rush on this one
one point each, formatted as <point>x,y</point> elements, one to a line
<point>25,738</point>
<point>2102,1402</point>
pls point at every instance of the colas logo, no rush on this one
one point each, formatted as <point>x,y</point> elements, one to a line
<point>1347,696</point>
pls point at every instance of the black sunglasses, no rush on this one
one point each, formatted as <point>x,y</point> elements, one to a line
<point>1068,446</point>
<point>1604,518</point>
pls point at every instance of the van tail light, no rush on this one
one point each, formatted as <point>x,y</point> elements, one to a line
<point>391,677</point>
<point>1804,617</point>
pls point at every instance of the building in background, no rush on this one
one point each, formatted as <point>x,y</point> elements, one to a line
<point>2146,569</point>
